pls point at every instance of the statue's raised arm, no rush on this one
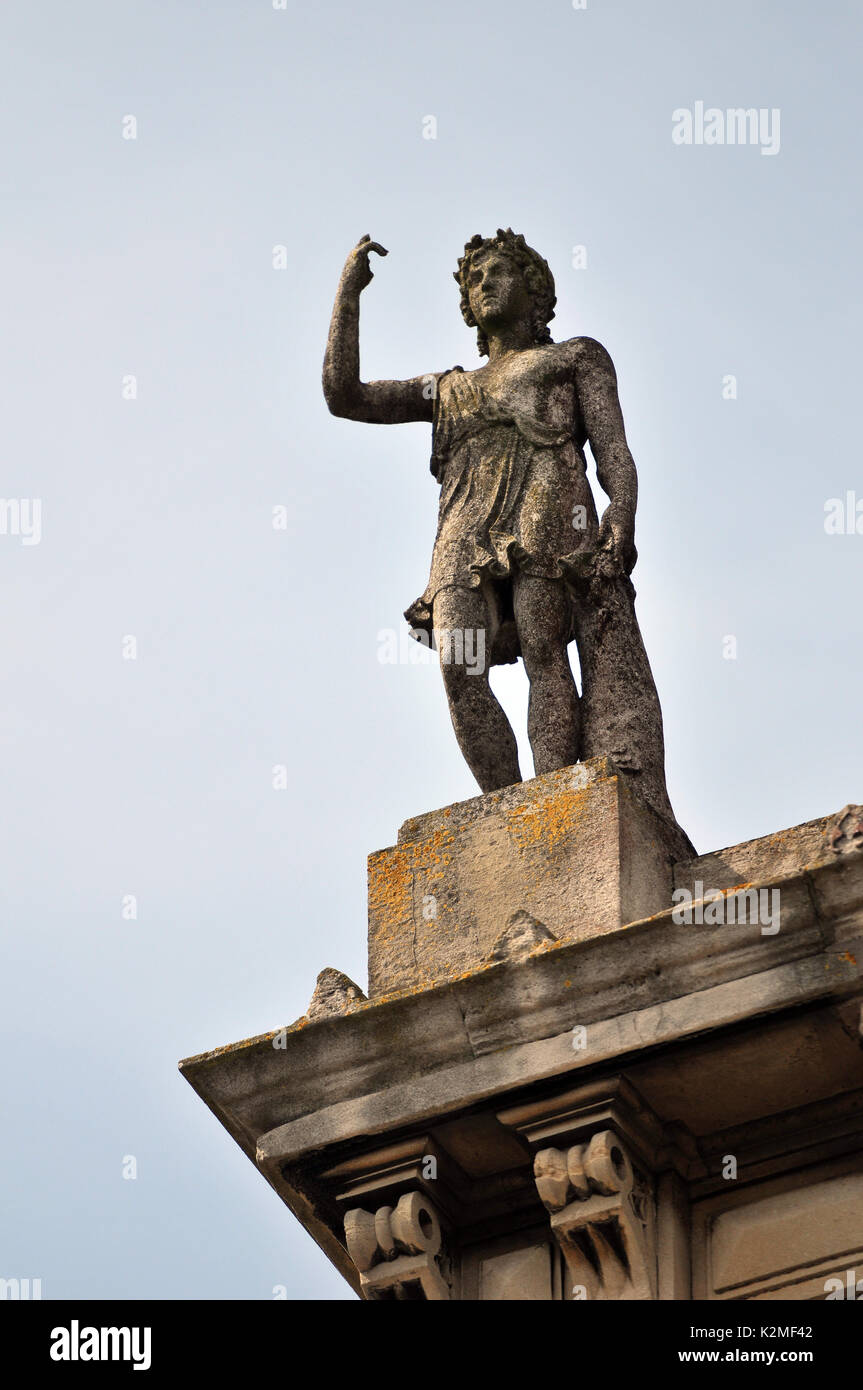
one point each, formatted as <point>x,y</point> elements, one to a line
<point>376,402</point>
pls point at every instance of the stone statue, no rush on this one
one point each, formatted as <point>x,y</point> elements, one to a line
<point>522,565</point>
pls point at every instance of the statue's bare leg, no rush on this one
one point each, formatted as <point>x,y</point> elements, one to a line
<point>554,709</point>
<point>463,629</point>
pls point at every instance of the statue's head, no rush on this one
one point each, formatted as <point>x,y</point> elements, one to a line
<point>502,279</point>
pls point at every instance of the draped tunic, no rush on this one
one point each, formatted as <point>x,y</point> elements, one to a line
<point>514,500</point>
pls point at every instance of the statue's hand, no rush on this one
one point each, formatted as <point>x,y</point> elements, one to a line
<point>617,538</point>
<point>357,272</point>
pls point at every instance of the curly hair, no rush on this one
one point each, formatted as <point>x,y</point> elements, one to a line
<point>537,277</point>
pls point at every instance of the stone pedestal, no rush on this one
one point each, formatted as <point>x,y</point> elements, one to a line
<point>577,1107</point>
<point>578,851</point>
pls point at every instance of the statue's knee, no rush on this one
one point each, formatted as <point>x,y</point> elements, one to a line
<point>463,653</point>
<point>456,677</point>
<point>542,655</point>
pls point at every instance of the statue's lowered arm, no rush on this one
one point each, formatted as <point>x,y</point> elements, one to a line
<point>615,469</point>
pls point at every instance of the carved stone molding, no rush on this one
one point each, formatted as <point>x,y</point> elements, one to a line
<point>397,1250</point>
<point>590,1192</point>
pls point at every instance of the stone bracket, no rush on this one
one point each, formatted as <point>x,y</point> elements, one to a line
<point>589,1191</point>
<point>397,1251</point>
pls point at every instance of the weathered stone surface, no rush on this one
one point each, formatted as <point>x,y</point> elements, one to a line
<point>334,993</point>
<point>797,1235</point>
<point>750,1240</point>
<point>772,856</point>
<point>577,849</point>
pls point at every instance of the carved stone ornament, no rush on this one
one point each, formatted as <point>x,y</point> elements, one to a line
<point>397,1250</point>
<point>523,935</point>
<point>334,994</point>
<point>589,1192</point>
<point>845,831</point>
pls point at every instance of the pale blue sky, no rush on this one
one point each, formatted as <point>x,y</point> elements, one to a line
<point>303,127</point>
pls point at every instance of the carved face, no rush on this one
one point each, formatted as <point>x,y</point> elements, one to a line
<point>497,292</point>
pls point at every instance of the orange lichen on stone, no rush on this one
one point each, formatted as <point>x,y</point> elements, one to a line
<point>433,851</point>
<point>390,882</point>
<point>547,823</point>
<point>392,873</point>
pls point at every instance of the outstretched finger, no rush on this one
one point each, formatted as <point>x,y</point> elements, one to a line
<point>366,244</point>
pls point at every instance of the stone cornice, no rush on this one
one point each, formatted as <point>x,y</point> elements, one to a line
<point>406,1057</point>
